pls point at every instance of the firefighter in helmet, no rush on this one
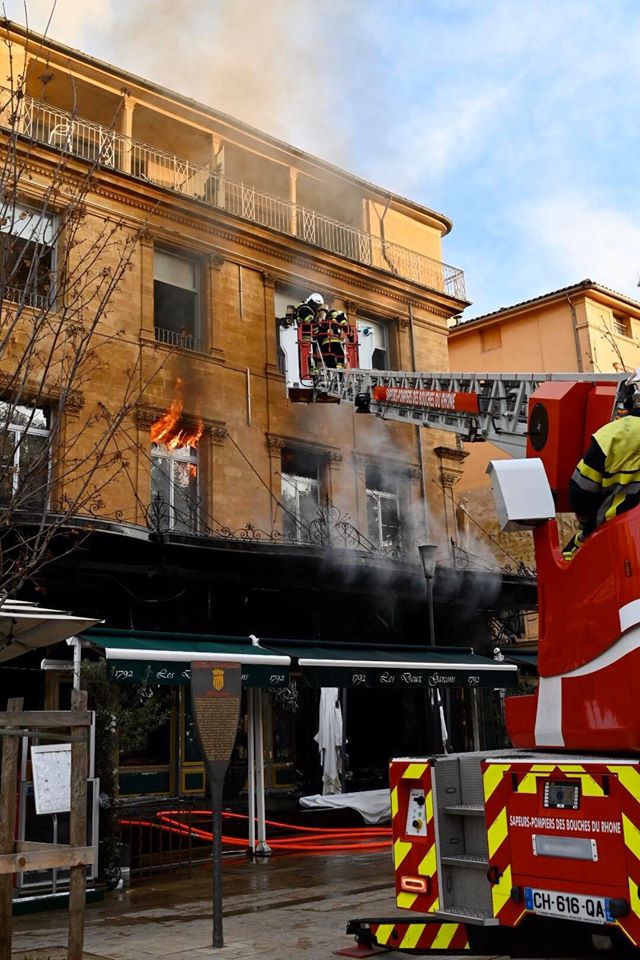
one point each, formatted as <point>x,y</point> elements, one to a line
<point>307,312</point>
<point>330,331</point>
<point>606,482</point>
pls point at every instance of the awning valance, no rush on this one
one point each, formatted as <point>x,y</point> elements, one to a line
<point>394,667</point>
<point>165,658</point>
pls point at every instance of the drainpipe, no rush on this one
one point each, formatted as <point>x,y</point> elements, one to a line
<point>382,237</point>
<point>576,335</point>
<point>418,428</point>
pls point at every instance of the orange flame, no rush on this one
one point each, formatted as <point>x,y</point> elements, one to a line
<point>169,429</point>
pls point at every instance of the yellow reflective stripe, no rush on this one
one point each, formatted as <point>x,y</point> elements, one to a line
<point>634,903</point>
<point>400,849</point>
<point>497,832</point>
<point>412,936</point>
<point>394,802</point>
<point>427,866</point>
<point>590,787</point>
<point>529,783</point>
<point>444,936</point>
<point>493,777</point>
<point>435,906</point>
<point>383,932</point>
<point>429,806</point>
<point>406,900</point>
<point>501,891</point>
<point>621,479</point>
<point>414,771</point>
<point>589,473</point>
<point>629,777</point>
<point>631,835</point>
<point>612,509</point>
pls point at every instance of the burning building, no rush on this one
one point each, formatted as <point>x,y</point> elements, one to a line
<point>228,510</point>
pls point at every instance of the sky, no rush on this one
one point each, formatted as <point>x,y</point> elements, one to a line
<point>515,118</point>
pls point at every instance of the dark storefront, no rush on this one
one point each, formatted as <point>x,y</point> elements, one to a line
<point>333,597</point>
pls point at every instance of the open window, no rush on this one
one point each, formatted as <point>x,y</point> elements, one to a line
<point>27,252</point>
<point>383,509</point>
<point>373,341</point>
<point>300,492</point>
<point>24,456</point>
<point>176,300</point>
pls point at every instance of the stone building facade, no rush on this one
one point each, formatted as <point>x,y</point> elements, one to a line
<point>235,510</point>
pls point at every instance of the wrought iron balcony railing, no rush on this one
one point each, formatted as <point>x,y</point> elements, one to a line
<point>103,146</point>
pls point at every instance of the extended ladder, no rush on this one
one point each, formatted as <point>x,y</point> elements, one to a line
<point>475,406</point>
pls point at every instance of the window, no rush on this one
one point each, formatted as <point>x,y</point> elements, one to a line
<point>24,456</point>
<point>174,487</point>
<point>176,300</point>
<point>373,339</point>
<point>27,250</point>
<point>383,511</point>
<point>621,325</point>
<point>300,491</point>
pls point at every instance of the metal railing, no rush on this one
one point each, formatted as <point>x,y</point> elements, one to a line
<point>103,146</point>
<point>177,338</point>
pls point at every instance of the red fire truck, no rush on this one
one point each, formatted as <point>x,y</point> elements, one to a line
<point>532,851</point>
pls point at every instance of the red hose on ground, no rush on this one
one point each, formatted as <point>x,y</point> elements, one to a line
<point>312,839</point>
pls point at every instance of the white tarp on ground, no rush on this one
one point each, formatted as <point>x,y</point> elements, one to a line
<point>373,805</point>
<point>329,739</point>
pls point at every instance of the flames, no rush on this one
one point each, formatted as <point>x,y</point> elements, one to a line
<point>169,428</point>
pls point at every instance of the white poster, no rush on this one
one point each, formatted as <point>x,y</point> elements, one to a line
<point>52,777</point>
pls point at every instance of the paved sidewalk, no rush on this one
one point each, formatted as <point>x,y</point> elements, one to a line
<point>290,906</point>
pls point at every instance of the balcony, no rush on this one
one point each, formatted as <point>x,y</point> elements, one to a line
<point>104,147</point>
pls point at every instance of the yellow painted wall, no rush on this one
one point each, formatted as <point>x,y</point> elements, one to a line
<point>401,229</point>
<point>542,338</point>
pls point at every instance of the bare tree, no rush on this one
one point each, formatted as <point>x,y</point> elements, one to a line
<point>70,374</point>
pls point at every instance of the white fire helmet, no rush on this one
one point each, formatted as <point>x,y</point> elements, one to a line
<point>316,300</point>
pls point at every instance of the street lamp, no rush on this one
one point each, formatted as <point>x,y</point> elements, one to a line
<point>428,553</point>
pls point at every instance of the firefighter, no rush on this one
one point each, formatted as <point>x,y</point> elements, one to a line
<point>606,482</point>
<point>309,310</point>
<point>330,331</point>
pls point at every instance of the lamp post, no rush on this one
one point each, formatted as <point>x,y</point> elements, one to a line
<point>428,553</point>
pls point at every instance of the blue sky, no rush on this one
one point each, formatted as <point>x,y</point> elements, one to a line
<point>516,118</point>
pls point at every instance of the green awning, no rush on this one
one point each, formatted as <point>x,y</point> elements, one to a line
<point>394,667</point>
<point>527,658</point>
<point>165,658</point>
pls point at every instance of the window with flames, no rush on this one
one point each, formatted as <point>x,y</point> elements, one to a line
<point>175,469</point>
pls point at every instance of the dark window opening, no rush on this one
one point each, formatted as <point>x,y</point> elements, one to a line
<point>176,301</point>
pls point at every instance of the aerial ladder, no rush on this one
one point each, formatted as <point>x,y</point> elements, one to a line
<point>532,851</point>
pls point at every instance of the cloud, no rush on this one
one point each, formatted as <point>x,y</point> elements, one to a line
<point>578,236</point>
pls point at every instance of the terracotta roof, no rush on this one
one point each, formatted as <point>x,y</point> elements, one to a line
<point>563,291</point>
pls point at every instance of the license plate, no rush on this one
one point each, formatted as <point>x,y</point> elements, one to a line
<point>569,906</point>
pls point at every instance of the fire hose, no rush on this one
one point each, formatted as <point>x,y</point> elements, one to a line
<point>301,839</point>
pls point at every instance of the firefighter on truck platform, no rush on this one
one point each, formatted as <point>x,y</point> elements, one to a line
<point>606,482</point>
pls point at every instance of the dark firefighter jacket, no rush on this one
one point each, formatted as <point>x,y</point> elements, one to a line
<point>606,482</point>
